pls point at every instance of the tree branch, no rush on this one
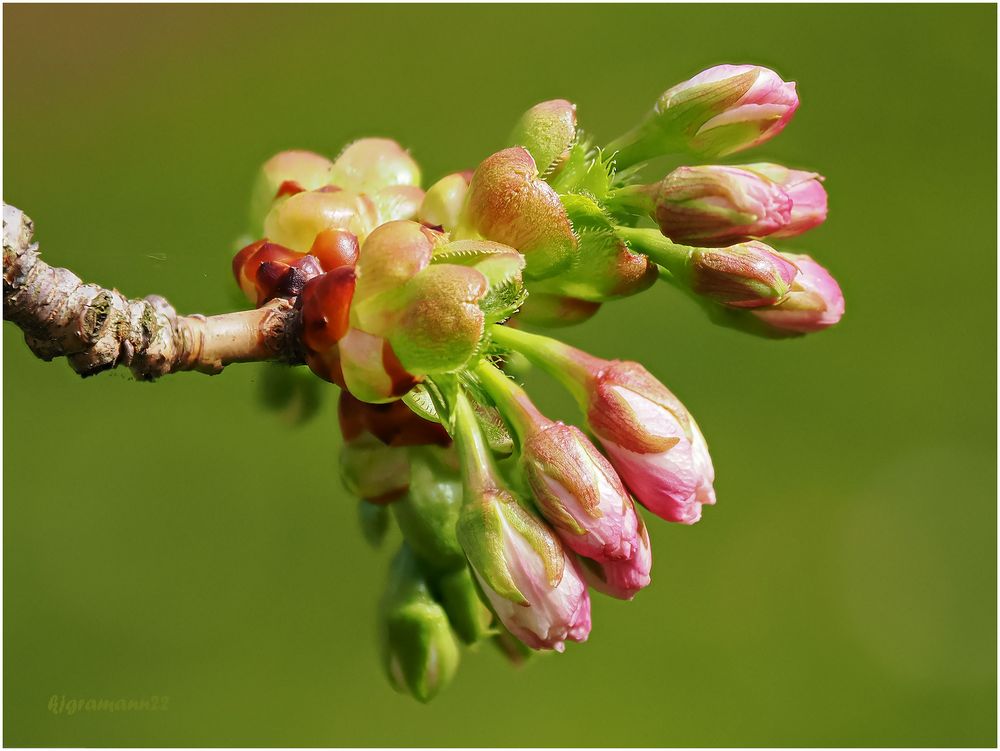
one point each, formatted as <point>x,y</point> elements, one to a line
<point>97,329</point>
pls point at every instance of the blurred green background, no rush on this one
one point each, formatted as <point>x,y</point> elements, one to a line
<point>177,540</point>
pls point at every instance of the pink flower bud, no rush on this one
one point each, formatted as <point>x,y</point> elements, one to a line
<point>748,275</point>
<point>723,127</point>
<point>651,440</point>
<point>579,493</point>
<point>807,194</point>
<point>622,579</point>
<point>713,205</point>
<point>722,110</point>
<point>534,587</point>
<point>815,301</point>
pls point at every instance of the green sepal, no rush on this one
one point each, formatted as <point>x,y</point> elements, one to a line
<point>502,267</point>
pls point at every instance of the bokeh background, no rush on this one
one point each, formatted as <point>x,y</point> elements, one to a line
<point>178,540</point>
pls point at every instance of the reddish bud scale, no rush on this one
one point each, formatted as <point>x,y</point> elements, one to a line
<point>265,270</point>
<point>327,366</point>
<point>400,379</point>
<point>335,248</point>
<point>326,308</point>
<point>288,188</point>
<point>393,423</point>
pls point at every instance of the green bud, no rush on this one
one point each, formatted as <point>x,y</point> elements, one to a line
<point>371,164</point>
<point>547,131</point>
<point>443,201</point>
<point>419,651</point>
<point>458,593</point>
<point>285,174</point>
<point>555,310</point>
<point>428,514</point>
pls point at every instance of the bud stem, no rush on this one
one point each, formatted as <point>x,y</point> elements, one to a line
<point>512,401</point>
<point>571,367</point>
<point>652,244</point>
<point>479,472</point>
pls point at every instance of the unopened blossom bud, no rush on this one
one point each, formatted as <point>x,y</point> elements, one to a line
<point>622,579</point>
<point>612,271</point>
<point>428,515</point>
<point>574,486</point>
<point>442,204</point>
<point>370,369</point>
<point>715,205</point>
<point>652,441</point>
<point>555,310</point>
<point>297,221</point>
<point>807,194</point>
<point>419,650</point>
<point>814,303</point>
<point>547,131</point>
<point>371,164</point>
<point>508,202</point>
<point>469,617</point>
<point>534,587</point>
<point>579,493</point>
<point>285,174</point>
<point>398,202</point>
<point>748,275</point>
<point>720,111</point>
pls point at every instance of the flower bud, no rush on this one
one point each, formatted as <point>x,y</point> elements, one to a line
<point>815,301</point>
<point>284,174</point>
<point>606,269</point>
<point>297,221</point>
<point>720,111</point>
<point>535,589</point>
<point>443,201</point>
<point>398,202</point>
<point>469,617</point>
<point>748,275</point>
<point>326,308</point>
<point>429,513</point>
<point>547,131</point>
<point>713,205</point>
<point>370,369</point>
<point>805,189</point>
<point>371,164</point>
<point>438,325</point>
<point>509,203</point>
<point>579,493</point>
<point>622,579</point>
<point>419,650</point>
<point>554,310</point>
<point>651,440</point>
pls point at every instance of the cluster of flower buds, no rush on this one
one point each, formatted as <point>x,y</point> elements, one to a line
<point>414,304</point>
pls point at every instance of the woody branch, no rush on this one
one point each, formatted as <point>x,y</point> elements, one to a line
<point>97,328</point>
